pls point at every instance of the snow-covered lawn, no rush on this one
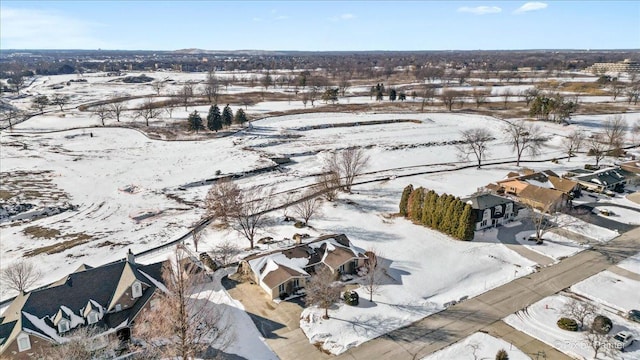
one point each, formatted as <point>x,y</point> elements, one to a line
<point>584,228</point>
<point>632,264</point>
<point>539,320</point>
<point>477,346</point>
<point>613,290</point>
<point>554,246</point>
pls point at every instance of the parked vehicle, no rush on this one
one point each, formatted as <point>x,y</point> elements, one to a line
<point>634,315</point>
<point>623,339</point>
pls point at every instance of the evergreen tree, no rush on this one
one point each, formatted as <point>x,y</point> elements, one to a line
<point>227,116</point>
<point>466,224</point>
<point>379,96</point>
<point>437,212</point>
<point>457,214</point>
<point>415,204</point>
<point>195,121</point>
<point>405,199</point>
<point>241,117</point>
<point>214,119</point>
<point>427,209</point>
<point>392,94</point>
<point>450,221</point>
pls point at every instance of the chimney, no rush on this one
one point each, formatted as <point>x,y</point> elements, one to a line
<point>130,257</point>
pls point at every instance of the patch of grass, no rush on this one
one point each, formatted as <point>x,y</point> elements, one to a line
<point>74,240</point>
<point>6,195</point>
<point>41,232</point>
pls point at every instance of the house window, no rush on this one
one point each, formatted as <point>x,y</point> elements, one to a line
<point>281,288</point>
<point>24,343</point>
<point>483,223</point>
<point>92,318</point>
<point>296,283</point>
<point>136,290</point>
<point>341,269</point>
<point>118,307</point>
<point>63,326</point>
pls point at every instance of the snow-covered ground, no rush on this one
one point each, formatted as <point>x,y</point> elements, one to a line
<point>539,320</point>
<point>554,246</point>
<point>632,264</point>
<point>478,346</point>
<point>618,292</point>
<point>586,229</point>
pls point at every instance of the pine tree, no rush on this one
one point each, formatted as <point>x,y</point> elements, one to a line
<point>392,94</point>
<point>195,121</point>
<point>457,214</point>
<point>405,199</point>
<point>241,117</point>
<point>227,116</point>
<point>214,119</point>
<point>450,221</point>
<point>466,224</point>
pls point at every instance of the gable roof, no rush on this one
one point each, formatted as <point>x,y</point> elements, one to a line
<point>274,268</point>
<point>486,201</point>
<point>605,177</point>
<point>563,184</point>
<point>37,311</point>
<point>541,195</point>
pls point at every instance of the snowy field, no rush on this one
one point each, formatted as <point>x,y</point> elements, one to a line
<point>539,320</point>
<point>615,291</point>
<point>477,346</point>
<point>127,192</point>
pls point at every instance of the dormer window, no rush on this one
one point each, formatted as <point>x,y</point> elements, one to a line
<point>92,318</point>
<point>63,326</point>
<point>24,343</point>
<point>498,210</point>
<point>136,290</point>
<point>118,307</point>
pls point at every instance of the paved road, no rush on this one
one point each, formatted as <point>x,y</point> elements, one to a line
<point>482,312</point>
<point>603,221</point>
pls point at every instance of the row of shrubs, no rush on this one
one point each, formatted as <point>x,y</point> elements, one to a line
<point>601,324</point>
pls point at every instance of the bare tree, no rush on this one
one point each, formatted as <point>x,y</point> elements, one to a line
<point>40,102</point>
<point>102,112</point>
<point>616,90</point>
<point>348,164</point>
<point>158,86</point>
<point>506,94</point>
<point>579,311</point>
<point>17,79</point>
<point>329,183</point>
<point>225,251</point>
<point>573,143</point>
<point>614,130</point>
<point>222,200</point>
<point>85,343</point>
<point>196,235</point>
<point>529,95</point>
<point>184,322</point>
<point>185,94</point>
<point>246,101</point>
<point>374,273</point>
<point>117,108</point>
<point>599,343</point>
<point>323,290</point>
<point>525,136</point>
<point>148,111</point>
<point>308,207</point>
<point>475,141</point>
<point>10,114</point>
<point>212,87</point>
<point>344,83</point>
<point>60,100</point>
<point>597,147</point>
<point>20,275</point>
<point>250,215</point>
<point>449,97</point>
<point>479,96</point>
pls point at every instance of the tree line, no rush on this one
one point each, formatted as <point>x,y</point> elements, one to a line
<point>445,213</point>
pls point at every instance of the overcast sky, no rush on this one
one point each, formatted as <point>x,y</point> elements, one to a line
<point>319,25</point>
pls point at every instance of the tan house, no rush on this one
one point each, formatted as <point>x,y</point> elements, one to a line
<point>107,297</point>
<point>284,272</point>
<point>543,190</point>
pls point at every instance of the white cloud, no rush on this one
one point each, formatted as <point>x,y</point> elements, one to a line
<point>480,10</point>
<point>343,17</point>
<point>281,17</point>
<point>38,29</point>
<point>530,6</point>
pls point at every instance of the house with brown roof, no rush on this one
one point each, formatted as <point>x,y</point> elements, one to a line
<point>543,190</point>
<point>107,297</point>
<point>283,272</point>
